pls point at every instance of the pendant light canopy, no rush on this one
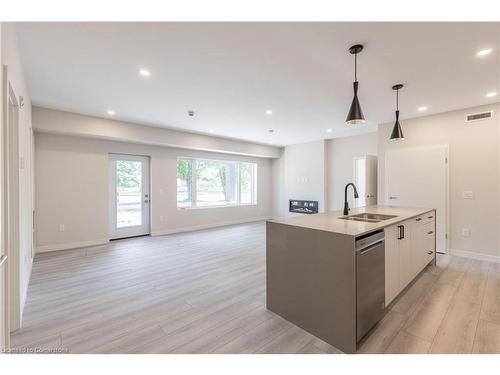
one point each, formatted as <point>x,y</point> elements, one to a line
<point>397,132</point>
<point>355,115</point>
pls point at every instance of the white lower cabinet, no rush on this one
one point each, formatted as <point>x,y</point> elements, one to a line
<point>409,247</point>
<point>391,263</point>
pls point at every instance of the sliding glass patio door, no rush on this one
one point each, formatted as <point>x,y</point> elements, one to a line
<point>129,196</point>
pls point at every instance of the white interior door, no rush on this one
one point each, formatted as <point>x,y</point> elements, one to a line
<point>418,177</point>
<point>129,195</point>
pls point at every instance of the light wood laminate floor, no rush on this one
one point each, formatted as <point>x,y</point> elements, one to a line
<point>204,292</point>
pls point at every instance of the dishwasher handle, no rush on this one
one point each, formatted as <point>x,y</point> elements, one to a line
<point>362,242</point>
<point>370,248</point>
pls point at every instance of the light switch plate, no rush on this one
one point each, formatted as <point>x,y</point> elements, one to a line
<point>467,194</point>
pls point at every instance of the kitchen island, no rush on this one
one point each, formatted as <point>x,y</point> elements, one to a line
<point>334,275</point>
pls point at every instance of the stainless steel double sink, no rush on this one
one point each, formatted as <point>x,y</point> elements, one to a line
<point>367,217</point>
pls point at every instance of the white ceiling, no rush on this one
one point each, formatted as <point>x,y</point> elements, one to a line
<point>231,73</point>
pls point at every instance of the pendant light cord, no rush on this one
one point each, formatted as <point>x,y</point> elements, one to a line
<point>356,67</point>
<point>397,100</point>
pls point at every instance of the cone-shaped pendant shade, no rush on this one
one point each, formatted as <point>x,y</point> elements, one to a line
<point>397,132</point>
<point>355,115</point>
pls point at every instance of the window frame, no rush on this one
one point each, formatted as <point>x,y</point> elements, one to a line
<point>194,186</point>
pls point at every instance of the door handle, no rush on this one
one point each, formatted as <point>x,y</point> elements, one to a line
<point>430,252</point>
<point>418,219</point>
<point>393,197</point>
<point>430,232</point>
<point>401,232</point>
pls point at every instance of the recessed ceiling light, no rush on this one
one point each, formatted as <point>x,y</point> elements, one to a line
<point>111,113</point>
<point>484,52</point>
<point>491,94</point>
<point>269,112</point>
<point>144,73</point>
<point>423,108</point>
<point>211,131</point>
<point>329,130</point>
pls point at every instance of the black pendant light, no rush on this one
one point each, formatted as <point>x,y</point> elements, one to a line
<point>397,133</point>
<point>355,115</point>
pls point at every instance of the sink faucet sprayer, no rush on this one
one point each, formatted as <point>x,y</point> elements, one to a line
<point>346,205</point>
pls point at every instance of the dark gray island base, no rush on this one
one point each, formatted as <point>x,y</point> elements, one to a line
<point>311,282</point>
<point>320,278</point>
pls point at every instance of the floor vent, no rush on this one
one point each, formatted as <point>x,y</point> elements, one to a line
<point>479,116</point>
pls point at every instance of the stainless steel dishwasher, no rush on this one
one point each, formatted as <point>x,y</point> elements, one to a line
<point>370,281</point>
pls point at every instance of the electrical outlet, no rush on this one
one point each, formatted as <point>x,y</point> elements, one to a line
<point>465,232</point>
<point>61,228</point>
<point>468,194</point>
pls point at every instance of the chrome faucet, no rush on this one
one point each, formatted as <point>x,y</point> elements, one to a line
<point>346,205</point>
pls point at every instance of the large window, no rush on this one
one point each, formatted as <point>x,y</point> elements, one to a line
<point>209,183</point>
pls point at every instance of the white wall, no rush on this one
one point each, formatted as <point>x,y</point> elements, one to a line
<point>278,186</point>
<point>340,153</point>
<point>474,166</point>
<point>318,171</point>
<point>72,189</point>
<point>67,123</point>
<point>11,58</point>
<point>299,174</point>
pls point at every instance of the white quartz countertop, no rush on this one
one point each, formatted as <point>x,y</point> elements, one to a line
<point>331,222</point>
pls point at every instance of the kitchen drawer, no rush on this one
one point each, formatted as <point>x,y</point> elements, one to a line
<point>426,218</point>
<point>429,230</point>
<point>429,217</point>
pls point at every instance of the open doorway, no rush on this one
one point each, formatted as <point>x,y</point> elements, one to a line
<point>365,179</point>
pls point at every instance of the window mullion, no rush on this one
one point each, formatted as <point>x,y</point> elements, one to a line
<point>254,184</point>
<point>194,188</point>
<point>238,172</point>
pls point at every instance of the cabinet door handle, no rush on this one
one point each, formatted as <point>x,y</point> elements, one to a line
<point>430,252</point>
<point>430,232</point>
<point>400,227</point>
<point>430,217</point>
<point>418,219</point>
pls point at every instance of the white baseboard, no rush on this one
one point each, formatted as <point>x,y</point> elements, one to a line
<point>70,245</point>
<point>207,226</point>
<point>474,255</point>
